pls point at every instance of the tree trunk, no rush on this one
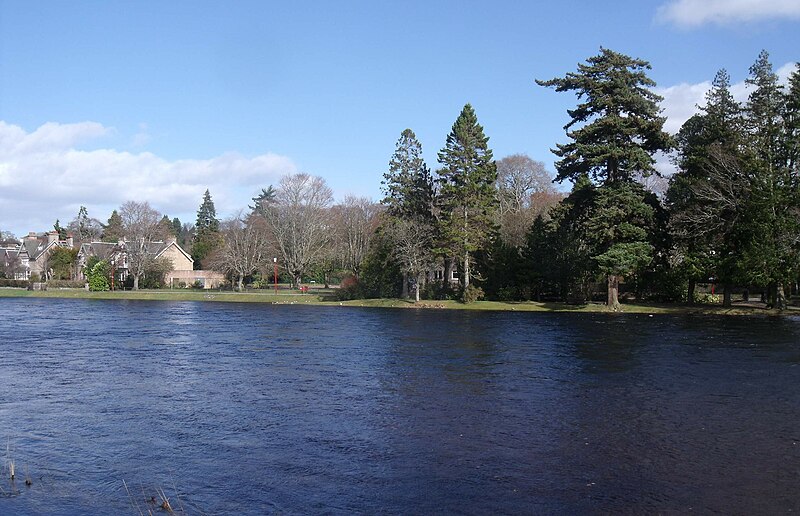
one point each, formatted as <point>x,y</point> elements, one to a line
<point>416,289</point>
<point>326,279</point>
<point>241,282</point>
<point>297,280</point>
<point>404,291</point>
<point>690,292</point>
<point>613,292</point>
<point>780,296</point>
<point>135,282</point>
<point>448,273</point>
<point>465,281</point>
<point>726,295</point>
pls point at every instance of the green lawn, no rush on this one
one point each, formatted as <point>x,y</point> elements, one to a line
<point>319,296</point>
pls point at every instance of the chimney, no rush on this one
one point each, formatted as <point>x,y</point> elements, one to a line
<point>52,236</point>
<point>70,243</point>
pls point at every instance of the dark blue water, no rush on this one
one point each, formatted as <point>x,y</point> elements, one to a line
<point>259,409</point>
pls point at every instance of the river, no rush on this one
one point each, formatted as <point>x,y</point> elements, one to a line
<point>259,409</point>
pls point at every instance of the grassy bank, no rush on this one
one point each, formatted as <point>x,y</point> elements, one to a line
<point>326,297</point>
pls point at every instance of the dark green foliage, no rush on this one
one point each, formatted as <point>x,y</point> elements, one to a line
<point>207,237</point>
<point>112,231</point>
<point>62,262</point>
<point>263,199</point>
<point>565,243</point>
<point>176,227</point>
<point>467,191</point>
<point>62,232</point>
<point>408,185</point>
<point>619,229</point>
<point>380,275</point>
<point>616,128</point>
<point>470,294</point>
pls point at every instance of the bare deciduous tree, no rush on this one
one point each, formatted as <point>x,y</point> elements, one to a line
<point>299,220</point>
<point>522,185</point>
<point>245,247</point>
<point>140,223</point>
<point>412,244</point>
<point>357,219</point>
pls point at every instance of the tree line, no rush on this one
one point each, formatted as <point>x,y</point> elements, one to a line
<point>476,227</point>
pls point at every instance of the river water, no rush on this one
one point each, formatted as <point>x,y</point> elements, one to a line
<point>260,409</point>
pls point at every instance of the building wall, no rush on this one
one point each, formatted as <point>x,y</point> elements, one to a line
<point>208,279</point>
<point>179,260</point>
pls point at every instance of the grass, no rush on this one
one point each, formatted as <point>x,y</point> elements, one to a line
<point>320,296</point>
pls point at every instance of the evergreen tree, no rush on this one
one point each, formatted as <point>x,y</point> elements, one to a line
<point>176,227</point>
<point>467,189</point>
<point>113,231</point>
<point>791,120</point>
<point>207,236</point>
<point>62,232</point>
<point>768,250</point>
<point>703,196</point>
<point>263,200</point>
<point>617,128</point>
<point>408,185</point>
<point>615,131</point>
<point>569,266</point>
<point>409,198</point>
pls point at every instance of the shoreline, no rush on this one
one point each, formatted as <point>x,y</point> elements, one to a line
<point>322,298</point>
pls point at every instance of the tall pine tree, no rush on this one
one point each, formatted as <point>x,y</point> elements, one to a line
<point>409,198</point>
<point>702,194</point>
<point>467,193</point>
<point>615,131</point>
<point>207,236</point>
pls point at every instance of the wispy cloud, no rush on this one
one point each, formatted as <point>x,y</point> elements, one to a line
<point>44,175</point>
<point>694,13</point>
<point>681,101</point>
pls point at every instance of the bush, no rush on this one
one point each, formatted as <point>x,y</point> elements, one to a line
<point>471,294</point>
<point>349,288</point>
<point>66,284</point>
<point>13,283</point>
<point>97,276</point>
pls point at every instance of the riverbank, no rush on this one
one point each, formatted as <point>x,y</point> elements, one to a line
<point>325,297</point>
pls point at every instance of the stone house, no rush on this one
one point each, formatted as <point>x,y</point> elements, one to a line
<point>30,256</point>
<point>182,262</point>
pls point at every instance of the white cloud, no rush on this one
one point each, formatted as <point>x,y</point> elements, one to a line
<point>44,175</point>
<point>694,13</point>
<point>682,100</point>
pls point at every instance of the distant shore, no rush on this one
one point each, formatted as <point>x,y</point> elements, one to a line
<point>324,297</point>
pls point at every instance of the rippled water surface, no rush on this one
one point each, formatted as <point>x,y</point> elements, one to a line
<point>288,409</point>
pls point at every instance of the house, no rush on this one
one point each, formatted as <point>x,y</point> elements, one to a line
<point>30,256</point>
<point>182,263</point>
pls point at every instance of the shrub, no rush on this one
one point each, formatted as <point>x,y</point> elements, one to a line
<point>471,294</point>
<point>13,283</point>
<point>97,276</point>
<point>349,288</point>
<point>66,284</point>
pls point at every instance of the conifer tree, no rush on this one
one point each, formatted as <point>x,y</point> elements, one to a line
<point>702,196</point>
<point>768,248</point>
<point>615,130</point>
<point>408,185</point>
<point>113,230</point>
<point>617,127</point>
<point>409,198</point>
<point>467,192</point>
<point>206,237</point>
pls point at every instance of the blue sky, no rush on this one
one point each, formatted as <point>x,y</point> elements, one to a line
<point>106,101</point>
